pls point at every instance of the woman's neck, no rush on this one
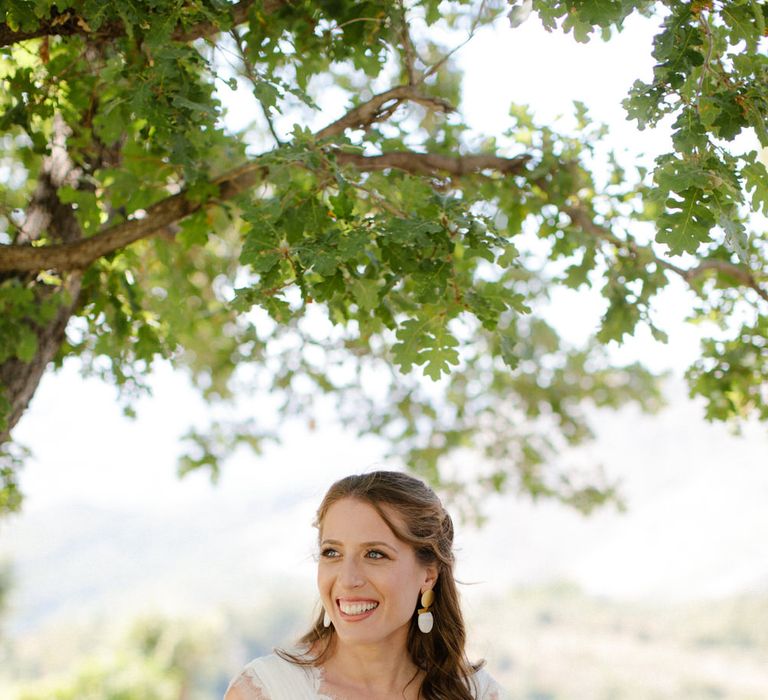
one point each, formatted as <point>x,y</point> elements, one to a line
<point>377,669</point>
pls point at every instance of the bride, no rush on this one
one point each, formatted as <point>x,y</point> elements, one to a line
<point>391,626</point>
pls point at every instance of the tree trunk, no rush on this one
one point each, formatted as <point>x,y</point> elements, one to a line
<point>46,214</point>
<point>20,379</point>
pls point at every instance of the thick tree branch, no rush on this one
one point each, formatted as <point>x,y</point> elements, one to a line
<point>81,253</point>
<point>78,254</point>
<point>69,23</point>
<point>433,163</point>
<point>740,273</point>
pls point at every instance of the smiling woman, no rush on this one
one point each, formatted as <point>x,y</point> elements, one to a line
<point>391,625</point>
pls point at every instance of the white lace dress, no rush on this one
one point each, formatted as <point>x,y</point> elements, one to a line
<point>273,678</point>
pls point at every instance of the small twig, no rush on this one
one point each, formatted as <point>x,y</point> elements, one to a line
<point>704,21</point>
<point>378,20</point>
<point>472,31</point>
<point>251,74</point>
<point>380,201</point>
<point>409,54</point>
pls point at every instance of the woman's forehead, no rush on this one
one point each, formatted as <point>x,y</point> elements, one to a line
<point>356,519</point>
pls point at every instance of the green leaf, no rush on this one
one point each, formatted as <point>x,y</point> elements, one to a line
<point>620,319</point>
<point>195,230</point>
<point>428,342</point>
<point>366,293</point>
<point>756,182</point>
<point>508,345</point>
<point>736,238</point>
<point>578,274</point>
<point>417,233</point>
<point>266,93</point>
<point>686,223</point>
<point>181,101</point>
<point>410,335</point>
<point>26,347</point>
<point>441,353</point>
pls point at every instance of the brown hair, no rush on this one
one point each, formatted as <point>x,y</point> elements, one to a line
<point>428,528</point>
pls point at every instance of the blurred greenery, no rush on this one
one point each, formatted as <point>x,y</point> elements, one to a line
<point>550,642</point>
<point>557,643</point>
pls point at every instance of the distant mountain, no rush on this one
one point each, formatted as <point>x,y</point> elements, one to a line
<point>79,560</point>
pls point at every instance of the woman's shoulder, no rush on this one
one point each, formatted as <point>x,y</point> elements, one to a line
<point>271,677</point>
<point>486,687</point>
<point>270,663</point>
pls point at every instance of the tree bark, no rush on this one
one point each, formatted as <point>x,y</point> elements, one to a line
<point>46,214</point>
<point>21,379</point>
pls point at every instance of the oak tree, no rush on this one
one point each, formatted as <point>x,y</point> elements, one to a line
<point>385,260</point>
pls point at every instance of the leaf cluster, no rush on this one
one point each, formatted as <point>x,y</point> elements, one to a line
<point>330,279</point>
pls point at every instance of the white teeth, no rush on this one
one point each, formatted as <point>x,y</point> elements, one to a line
<point>357,608</point>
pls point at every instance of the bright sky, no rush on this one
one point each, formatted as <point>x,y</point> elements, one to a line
<point>695,493</point>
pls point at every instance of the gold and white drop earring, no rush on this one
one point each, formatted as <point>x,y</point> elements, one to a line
<point>326,618</point>
<point>426,619</point>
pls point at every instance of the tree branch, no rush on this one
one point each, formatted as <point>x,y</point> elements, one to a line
<point>81,253</point>
<point>239,15</point>
<point>379,106</point>
<point>432,163</point>
<point>740,273</point>
<point>69,23</point>
<point>78,254</point>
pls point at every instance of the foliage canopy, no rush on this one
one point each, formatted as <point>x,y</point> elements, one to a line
<point>353,259</point>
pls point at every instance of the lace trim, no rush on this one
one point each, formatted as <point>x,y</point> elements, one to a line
<point>318,680</point>
<point>316,674</point>
<point>247,686</point>
<point>250,673</point>
<point>491,691</point>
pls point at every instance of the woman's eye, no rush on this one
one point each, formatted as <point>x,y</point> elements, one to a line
<point>329,553</point>
<point>375,554</point>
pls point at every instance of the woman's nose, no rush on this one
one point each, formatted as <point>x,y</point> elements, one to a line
<point>351,574</point>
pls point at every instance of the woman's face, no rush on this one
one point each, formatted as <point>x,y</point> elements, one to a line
<point>369,580</point>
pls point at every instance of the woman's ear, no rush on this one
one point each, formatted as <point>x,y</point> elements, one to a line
<point>430,577</point>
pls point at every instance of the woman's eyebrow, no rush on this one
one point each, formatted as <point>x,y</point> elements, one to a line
<point>372,543</point>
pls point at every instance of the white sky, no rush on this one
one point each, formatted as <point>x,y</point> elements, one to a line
<point>695,493</point>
